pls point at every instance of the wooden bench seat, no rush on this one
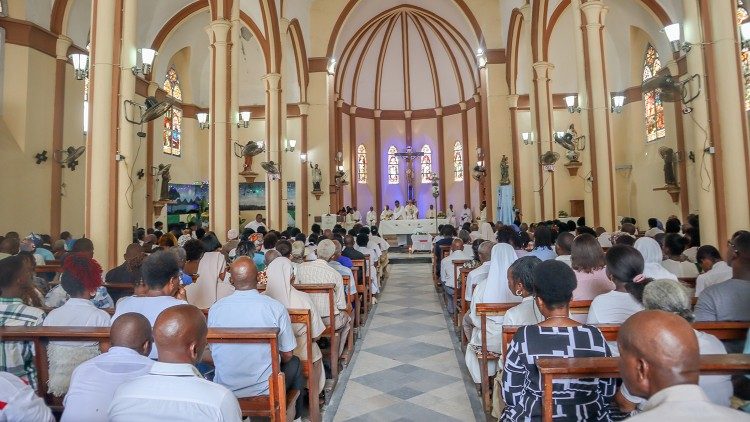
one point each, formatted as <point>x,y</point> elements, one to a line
<point>457,265</point>
<point>608,367</point>
<point>262,406</point>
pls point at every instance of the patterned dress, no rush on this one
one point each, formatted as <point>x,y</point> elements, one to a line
<point>584,399</point>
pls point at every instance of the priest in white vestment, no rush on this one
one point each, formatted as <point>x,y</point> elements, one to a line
<point>482,212</point>
<point>372,217</point>
<point>411,211</point>
<point>451,216</point>
<point>466,215</point>
<point>430,213</point>
<point>398,211</point>
<point>356,215</point>
<point>387,214</point>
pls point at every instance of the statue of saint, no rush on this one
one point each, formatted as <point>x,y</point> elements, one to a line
<point>317,177</point>
<point>667,154</point>
<point>504,171</point>
<point>165,178</point>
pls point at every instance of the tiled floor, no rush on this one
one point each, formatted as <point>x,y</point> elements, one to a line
<point>406,368</point>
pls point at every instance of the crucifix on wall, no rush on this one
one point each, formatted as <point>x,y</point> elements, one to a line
<point>409,156</point>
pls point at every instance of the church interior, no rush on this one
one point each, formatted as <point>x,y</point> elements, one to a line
<point>419,125</point>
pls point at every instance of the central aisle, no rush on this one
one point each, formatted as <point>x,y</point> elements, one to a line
<point>407,367</point>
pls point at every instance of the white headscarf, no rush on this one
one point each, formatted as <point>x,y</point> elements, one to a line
<point>497,290</point>
<point>652,255</point>
<point>209,287</point>
<point>486,232</point>
<point>279,285</point>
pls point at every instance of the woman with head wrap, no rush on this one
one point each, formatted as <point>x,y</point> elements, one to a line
<point>279,287</point>
<point>81,277</point>
<point>653,256</point>
<point>492,290</point>
<point>210,284</point>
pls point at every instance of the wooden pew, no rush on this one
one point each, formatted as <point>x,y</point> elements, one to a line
<point>353,302</point>
<point>365,288</point>
<point>607,367</point>
<point>499,309</point>
<point>457,264</point>
<point>303,316</point>
<point>688,281</point>
<point>273,406</point>
<point>48,268</point>
<point>330,331</point>
<point>464,274</point>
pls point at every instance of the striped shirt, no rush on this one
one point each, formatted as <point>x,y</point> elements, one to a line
<point>17,357</point>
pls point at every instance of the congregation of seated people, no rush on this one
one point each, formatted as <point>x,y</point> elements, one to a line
<point>160,303</point>
<point>537,276</point>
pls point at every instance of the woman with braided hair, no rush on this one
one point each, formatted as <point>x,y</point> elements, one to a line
<point>81,277</point>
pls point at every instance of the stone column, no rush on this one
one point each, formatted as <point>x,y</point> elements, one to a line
<point>219,166</point>
<point>274,142</point>
<point>379,171</point>
<point>303,209</point>
<point>58,131</point>
<point>597,108</point>
<point>101,143</point>
<point>233,213</point>
<point>126,136</point>
<point>515,148</point>
<point>541,117</point>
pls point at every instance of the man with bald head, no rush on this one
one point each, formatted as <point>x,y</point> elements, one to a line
<point>349,251</point>
<point>447,273</point>
<point>173,388</point>
<point>660,361</point>
<point>94,382</point>
<point>245,368</point>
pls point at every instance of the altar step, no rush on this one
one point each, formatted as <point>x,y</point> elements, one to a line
<point>399,256</point>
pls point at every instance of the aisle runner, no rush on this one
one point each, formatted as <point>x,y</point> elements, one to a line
<point>407,367</point>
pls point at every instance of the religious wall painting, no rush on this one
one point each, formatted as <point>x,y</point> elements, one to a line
<point>172,138</point>
<point>653,106</point>
<point>291,204</point>
<point>393,176</point>
<point>458,162</point>
<point>361,164</point>
<point>426,164</point>
<point>252,196</point>
<point>187,198</point>
<point>743,16</point>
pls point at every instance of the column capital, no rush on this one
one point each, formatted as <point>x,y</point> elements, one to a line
<point>526,12</point>
<point>594,11</point>
<point>407,114</point>
<point>62,47</point>
<point>304,109</point>
<point>477,97</point>
<point>542,70</point>
<point>283,25</point>
<point>272,81</point>
<point>377,113</point>
<point>512,100</point>
<point>462,106</point>
<point>352,110</point>
<point>218,31</point>
<point>339,103</point>
<point>439,111</point>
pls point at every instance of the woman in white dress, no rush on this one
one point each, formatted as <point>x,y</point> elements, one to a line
<point>653,256</point>
<point>212,283</point>
<point>494,289</point>
<point>674,246</point>
<point>625,267</point>
<point>279,287</point>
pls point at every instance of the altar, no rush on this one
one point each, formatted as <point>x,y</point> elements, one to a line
<point>403,227</point>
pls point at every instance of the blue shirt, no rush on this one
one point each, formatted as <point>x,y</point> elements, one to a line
<point>44,253</point>
<point>245,368</point>
<point>345,261</point>
<point>260,261</point>
<point>544,253</point>
<point>352,287</point>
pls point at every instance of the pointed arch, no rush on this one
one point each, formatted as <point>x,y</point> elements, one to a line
<point>361,164</point>
<point>743,17</point>
<point>458,162</point>
<point>393,176</point>
<point>653,106</point>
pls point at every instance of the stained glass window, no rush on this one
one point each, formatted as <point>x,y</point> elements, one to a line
<point>393,178</point>
<point>458,161</point>
<point>742,17</point>
<point>173,118</point>
<point>426,164</point>
<point>361,164</point>
<point>654,109</point>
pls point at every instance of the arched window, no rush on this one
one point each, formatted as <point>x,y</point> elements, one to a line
<point>742,17</point>
<point>392,166</point>
<point>458,161</point>
<point>426,165</point>
<point>361,164</point>
<point>173,118</point>
<point>654,109</point>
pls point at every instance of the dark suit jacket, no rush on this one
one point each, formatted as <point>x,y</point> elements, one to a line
<point>352,253</point>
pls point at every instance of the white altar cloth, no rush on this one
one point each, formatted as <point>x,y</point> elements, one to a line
<point>388,227</point>
<point>421,242</point>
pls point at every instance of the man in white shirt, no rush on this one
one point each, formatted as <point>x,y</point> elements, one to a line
<point>482,212</point>
<point>319,272</point>
<point>173,387</point>
<point>94,382</point>
<point>258,222</point>
<point>387,214</point>
<point>411,210</point>
<point>162,277</point>
<point>603,237</point>
<point>479,274</point>
<point>19,402</point>
<point>714,269</point>
<point>659,361</point>
<point>563,246</point>
<point>430,212</point>
<point>447,276</point>
<point>653,228</point>
<point>398,211</point>
<point>372,217</point>
<point>466,215</point>
<point>245,368</point>
<point>362,240</point>
<point>342,269</point>
<point>451,216</point>
<point>356,215</point>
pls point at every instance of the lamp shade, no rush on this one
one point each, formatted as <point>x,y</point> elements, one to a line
<point>525,136</point>
<point>481,58</point>
<point>245,116</point>
<point>292,143</point>
<point>80,61</point>
<point>331,66</point>
<point>673,32</point>
<point>745,31</point>
<point>147,56</point>
<point>570,100</point>
<point>202,118</point>
<point>618,100</point>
